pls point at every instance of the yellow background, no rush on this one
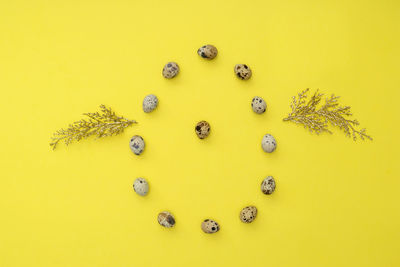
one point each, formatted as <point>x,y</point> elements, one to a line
<point>336,203</point>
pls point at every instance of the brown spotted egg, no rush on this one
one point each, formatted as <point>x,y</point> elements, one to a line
<point>166,219</point>
<point>268,185</point>
<point>170,70</point>
<point>258,105</point>
<point>202,129</point>
<point>209,226</point>
<point>248,214</point>
<point>242,71</point>
<point>207,51</point>
<point>268,143</point>
<point>137,144</point>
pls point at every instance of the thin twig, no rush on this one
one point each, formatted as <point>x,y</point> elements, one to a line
<point>102,124</point>
<point>317,119</point>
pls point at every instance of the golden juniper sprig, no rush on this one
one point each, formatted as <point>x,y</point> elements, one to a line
<point>316,119</point>
<point>102,124</point>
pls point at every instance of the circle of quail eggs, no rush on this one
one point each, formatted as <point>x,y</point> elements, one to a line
<point>202,129</point>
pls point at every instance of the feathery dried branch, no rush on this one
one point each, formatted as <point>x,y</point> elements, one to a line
<point>316,119</point>
<point>105,123</point>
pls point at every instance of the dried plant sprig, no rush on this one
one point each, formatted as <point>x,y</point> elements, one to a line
<point>99,124</point>
<point>316,119</point>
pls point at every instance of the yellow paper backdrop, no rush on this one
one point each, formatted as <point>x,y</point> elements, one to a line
<point>336,203</point>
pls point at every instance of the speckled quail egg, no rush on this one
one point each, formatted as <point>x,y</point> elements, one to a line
<point>150,103</point>
<point>207,51</point>
<point>248,214</point>
<point>202,129</point>
<point>268,185</point>
<point>166,219</point>
<point>170,70</point>
<point>268,143</point>
<point>136,144</point>
<point>209,226</point>
<point>242,71</point>
<point>258,105</point>
<point>141,186</point>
